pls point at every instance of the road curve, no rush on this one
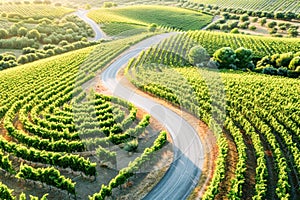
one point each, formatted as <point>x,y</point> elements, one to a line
<point>185,170</point>
<point>99,34</point>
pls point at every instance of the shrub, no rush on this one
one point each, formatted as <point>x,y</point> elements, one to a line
<point>22,31</point>
<point>63,43</point>
<point>48,46</point>
<point>273,30</point>
<point>263,62</point>
<point>270,70</point>
<point>131,146</point>
<point>293,32</point>
<point>284,59</point>
<point>255,19</point>
<point>233,24</point>
<point>244,25</point>
<point>224,27</point>
<point>152,27</point>
<point>109,4</point>
<point>252,28</point>
<point>295,63</point>
<point>244,17</point>
<point>244,58</point>
<point>33,34</point>
<point>198,55</point>
<point>225,57</point>
<point>271,24</point>
<point>3,33</point>
<point>105,155</point>
<point>235,31</point>
<point>22,59</point>
<point>28,50</point>
<point>263,21</point>
<point>282,71</point>
<point>279,15</point>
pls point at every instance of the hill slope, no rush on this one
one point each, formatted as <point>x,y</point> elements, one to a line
<point>264,5</point>
<point>144,15</point>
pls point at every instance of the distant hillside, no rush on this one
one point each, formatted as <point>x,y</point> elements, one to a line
<point>263,5</point>
<point>144,15</point>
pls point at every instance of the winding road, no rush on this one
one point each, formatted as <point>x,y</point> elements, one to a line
<point>183,174</point>
<point>185,170</point>
<point>99,34</point>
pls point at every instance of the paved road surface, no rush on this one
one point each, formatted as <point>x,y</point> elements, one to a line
<point>184,173</point>
<point>99,34</point>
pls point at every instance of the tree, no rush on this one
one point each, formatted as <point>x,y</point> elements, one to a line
<point>152,27</point>
<point>3,33</point>
<point>289,15</point>
<point>198,55</point>
<point>263,21</point>
<point>293,32</point>
<point>279,15</point>
<point>225,57</point>
<point>244,58</point>
<point>244,17</point>
<point>271,24</point>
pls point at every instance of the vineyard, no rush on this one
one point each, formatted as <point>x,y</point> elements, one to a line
<point>175,49</point>
<point>254,117</point>
<point>172,17</point>
<point>263,5</point>
<point>229,100</point>
<point>58,138</point>
<point>34,10</point>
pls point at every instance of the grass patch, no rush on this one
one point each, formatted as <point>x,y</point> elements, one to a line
<point>178,18</point>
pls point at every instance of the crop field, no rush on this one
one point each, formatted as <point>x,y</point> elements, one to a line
<point>144,15</point>
<point>257,115</point>
<point>34,10</point>
<point>52,128</point>
<point>175,49</point>
<point>263,5</point>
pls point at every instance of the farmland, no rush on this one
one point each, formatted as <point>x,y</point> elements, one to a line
<point>259,113</point>
<point>33,10</point>
<point>74,123</point>
<point>170,99</point>
<point>269,5</point>
<point>145,15</point>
